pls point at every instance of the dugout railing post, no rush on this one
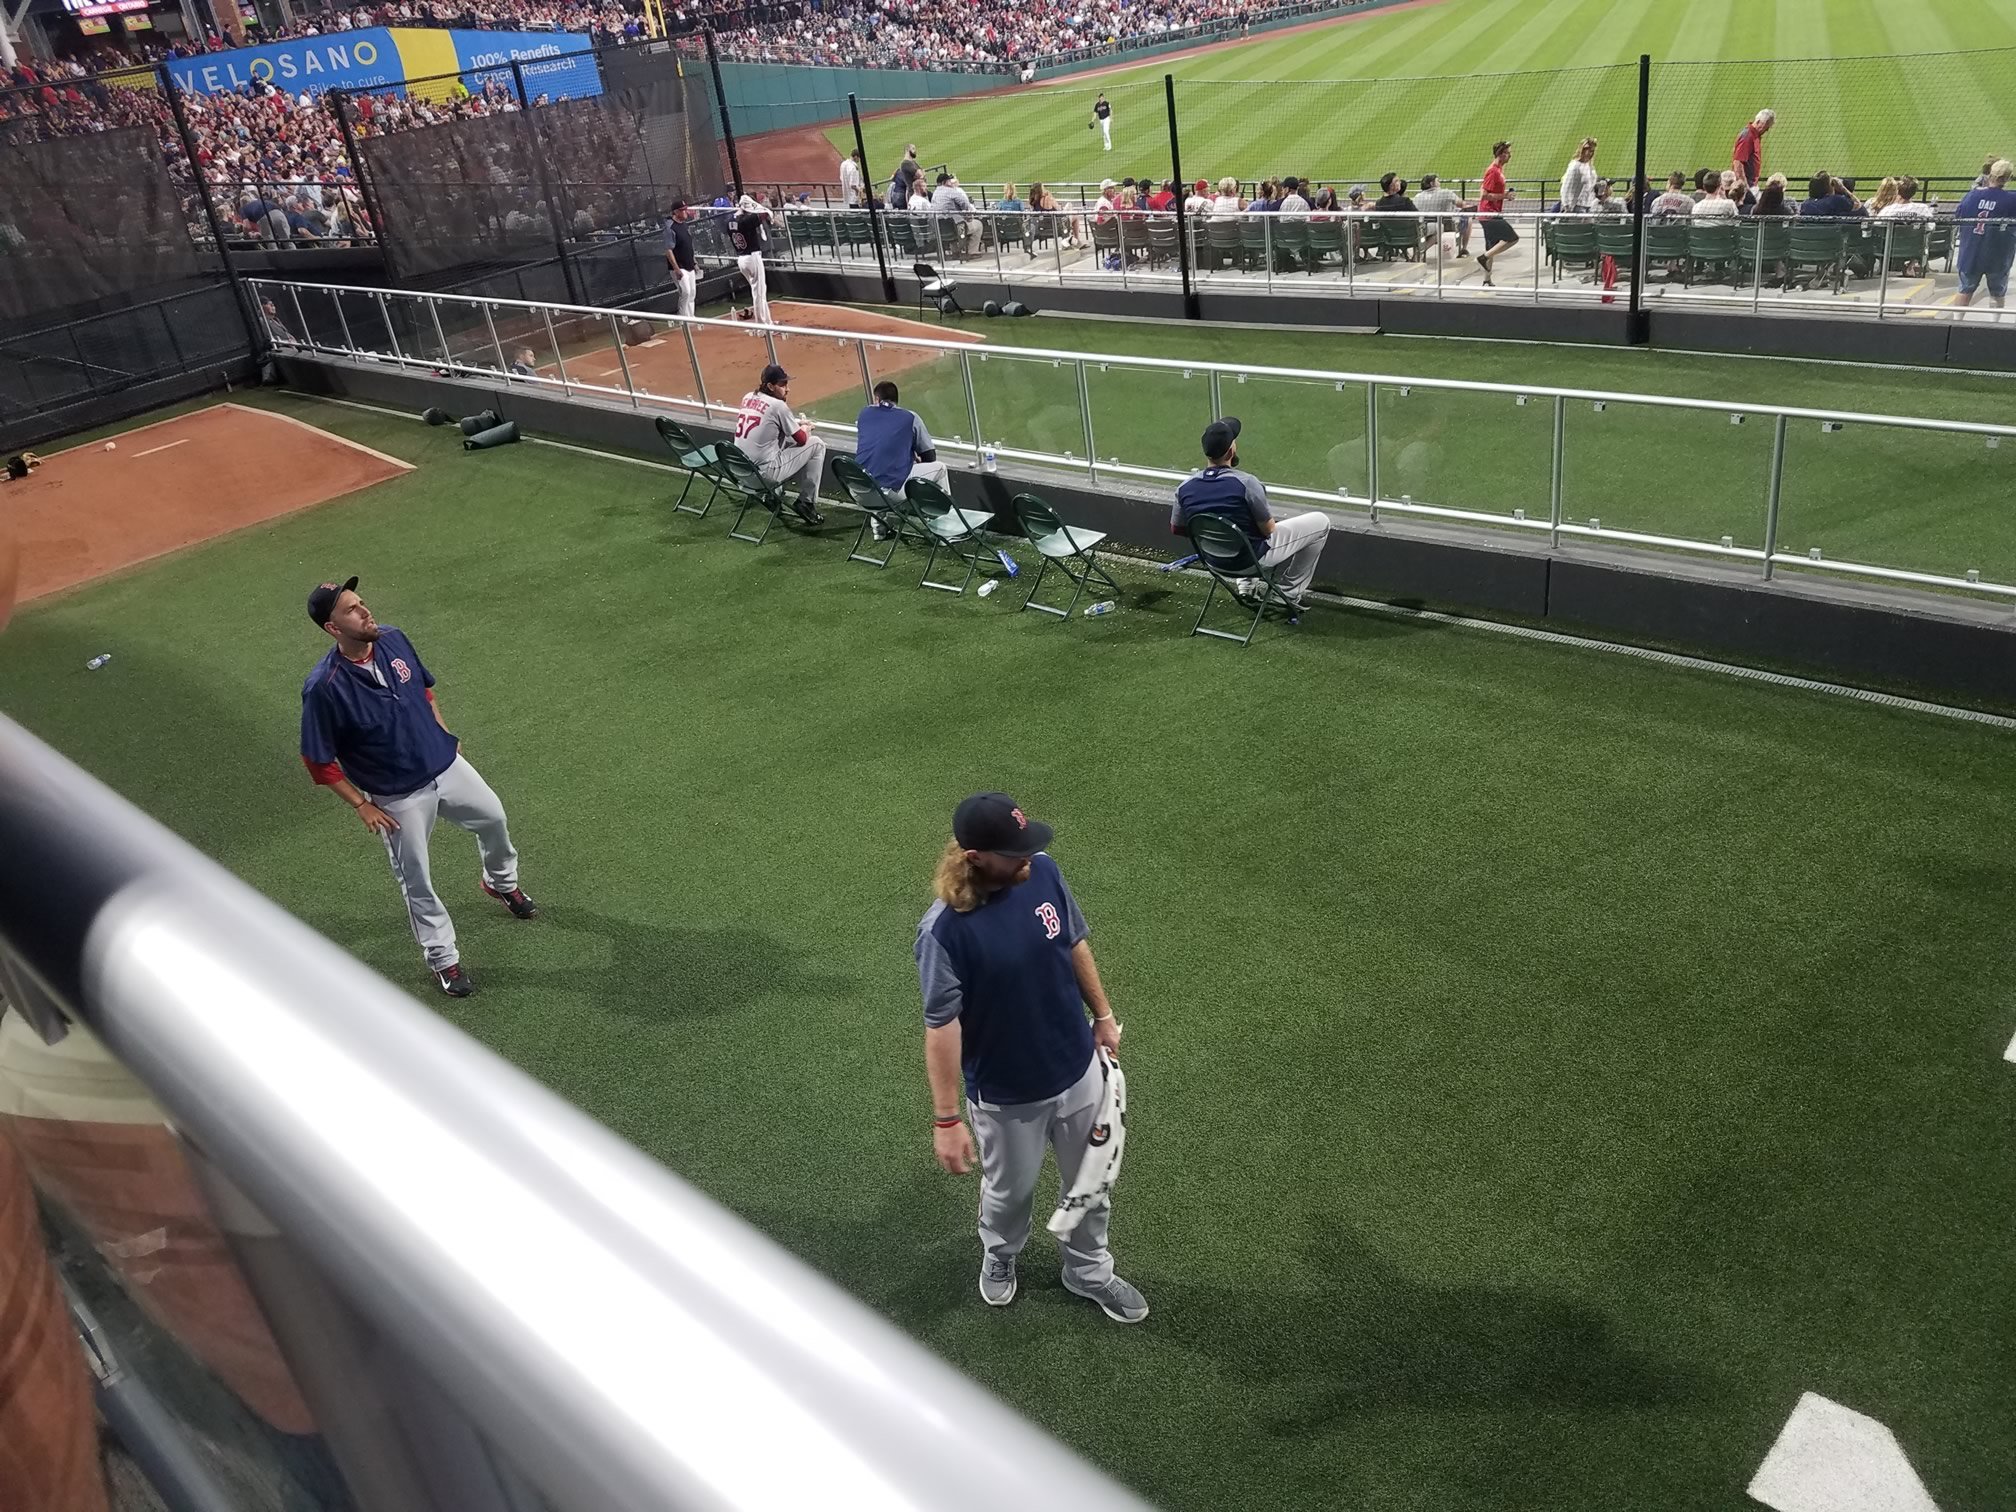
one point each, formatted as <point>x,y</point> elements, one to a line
<point>556,219</point>
<point>868,198</point>
<point>1637,326</point>
<point>1190,308</point>
<point>255,328</point>
<point>721,103</point>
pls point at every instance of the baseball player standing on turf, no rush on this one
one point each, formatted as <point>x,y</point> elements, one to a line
<point>371,731</point>
<point>1007,974</point>
<point>680,256</point>
<point>748,234</point>
<point>781,444</point>
<point>1102,117</point>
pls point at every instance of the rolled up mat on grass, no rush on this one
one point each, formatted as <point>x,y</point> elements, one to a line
<point>496,435</point>
<point>435,416</point>
<point>473,423</point>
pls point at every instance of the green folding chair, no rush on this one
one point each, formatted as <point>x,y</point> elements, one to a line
<point>948,528</point>
<point>1071,549</point>
<point>740,478</point>
<point>876,508</point>
<point>1230,556</point>
<point>698,461</point>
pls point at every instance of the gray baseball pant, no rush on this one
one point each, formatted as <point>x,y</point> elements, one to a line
<point>806,463</point>
<point>463,798</point>
<point>1298,541</point>
<point>1012,1139</point>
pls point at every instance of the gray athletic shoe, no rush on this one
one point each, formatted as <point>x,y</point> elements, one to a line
<point>1118,1299</point>
<point>997,1281</point>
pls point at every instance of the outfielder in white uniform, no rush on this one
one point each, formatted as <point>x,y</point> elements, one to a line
<point>780,444</point>
<point>371,732</point>
<point>1008,978</point>
<point>748,233</point>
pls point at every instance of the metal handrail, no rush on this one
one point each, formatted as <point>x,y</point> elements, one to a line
<point>628,1343</point>
<point>1223,369</point>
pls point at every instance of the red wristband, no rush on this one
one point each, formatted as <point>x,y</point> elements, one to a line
<point>947,1123</point>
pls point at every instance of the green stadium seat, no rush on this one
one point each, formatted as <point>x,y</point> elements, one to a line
<point>1396,236</point>
<point>1821,248</point>
<point>1291,244</point>
<point>876,507</point>
<point>1253,240</point>
<point>1666,246</point>
<point>1570,244</point>
<point>1326,236</point>
<point>740,478</point>
<point>933,515</point>
<point>1712,249</point>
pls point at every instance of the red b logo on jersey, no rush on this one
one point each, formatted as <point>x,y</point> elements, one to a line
<point>399,666</point>
<point>1052,925</point>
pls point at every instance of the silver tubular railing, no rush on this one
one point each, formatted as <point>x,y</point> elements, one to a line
<point>1560,257</point>
<point>1535,511</point>
<point>438,1240</point>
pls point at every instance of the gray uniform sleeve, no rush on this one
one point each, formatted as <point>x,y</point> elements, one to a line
<point>1256,500</point>
<point>944,999</point>
<point>920,438</point>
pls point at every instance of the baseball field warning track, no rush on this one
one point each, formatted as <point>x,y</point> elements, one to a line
<point>87,512</point>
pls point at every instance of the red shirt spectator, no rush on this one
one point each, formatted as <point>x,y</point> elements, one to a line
<point>1747,156</point>
<point>1491,194</point>
<point>1161,199</point>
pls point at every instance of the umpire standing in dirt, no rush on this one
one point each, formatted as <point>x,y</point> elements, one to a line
<point>1008,977</point>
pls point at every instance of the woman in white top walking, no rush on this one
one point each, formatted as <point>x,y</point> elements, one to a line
<point>1578,183</point>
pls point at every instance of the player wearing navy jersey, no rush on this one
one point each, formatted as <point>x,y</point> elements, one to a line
<point>1984,232</point>
<point>748,234</point>
<point>1007,973</point>
<point>1102,117</point>
<point>372,732</point>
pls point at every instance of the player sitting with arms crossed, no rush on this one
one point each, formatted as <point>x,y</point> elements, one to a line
<point>780,444</point>
<point>1008,977</point>
<point>373,734</point>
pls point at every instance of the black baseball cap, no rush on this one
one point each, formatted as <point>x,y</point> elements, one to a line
<point>773,374</point>
<point>993,822</point>
<point>1220,434</point>
<point>322,599</point>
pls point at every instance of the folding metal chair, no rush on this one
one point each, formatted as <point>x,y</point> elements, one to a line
<point>876,507</point>
<point>1063,546</point>
<point>740,477</point>
<point>948,528</point>
<point>935,287</point>
<point>699,462</point>
<point>1233,560</point>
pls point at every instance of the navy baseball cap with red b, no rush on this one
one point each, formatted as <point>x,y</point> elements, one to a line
<point>322,599</point>
<point>995,822</point>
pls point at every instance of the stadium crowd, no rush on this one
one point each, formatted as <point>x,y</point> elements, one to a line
<point>990,35</point>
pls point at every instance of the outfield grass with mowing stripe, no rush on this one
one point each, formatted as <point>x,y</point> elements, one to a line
<point>1920,501</point>
<point>1545,1067</point>
<point>1430,88</point>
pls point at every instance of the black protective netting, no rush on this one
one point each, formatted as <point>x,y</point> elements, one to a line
<point>513,187</point>
<point>85,218</point>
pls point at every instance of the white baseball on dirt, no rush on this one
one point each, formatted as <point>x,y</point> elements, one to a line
<point>111,446</point>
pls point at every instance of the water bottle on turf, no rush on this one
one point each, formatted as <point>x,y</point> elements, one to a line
<point>98,661</point>
<point>1104,606</point>
<point>989,586</point>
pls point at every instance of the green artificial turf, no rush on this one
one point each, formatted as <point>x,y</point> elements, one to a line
<point>1883,496</point>
<point>1430,88</point>
<point>1545,1066</point>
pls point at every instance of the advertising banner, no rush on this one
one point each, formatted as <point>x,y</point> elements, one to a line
<point>556,64</point>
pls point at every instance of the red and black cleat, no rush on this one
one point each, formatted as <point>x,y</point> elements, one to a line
<point>521,906</point>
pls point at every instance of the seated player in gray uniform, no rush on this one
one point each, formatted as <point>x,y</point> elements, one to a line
<point>781,444</point>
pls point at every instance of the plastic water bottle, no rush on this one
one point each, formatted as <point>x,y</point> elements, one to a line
<point>987,460</point>
<point>989,586</point>
<point>1104,606</point>
<point>98,661</point>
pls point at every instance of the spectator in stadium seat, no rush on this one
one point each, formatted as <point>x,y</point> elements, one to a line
<point>892,445</point>
<point>1606,204</point>
<point>278,333</point>
<point>1009,202</point>
<point>1826,197</point>
<point>1325,201</point>
<point>1578,181</point>
<point>1492,196</point>
<point>1292,201</point>
<point>267,222</point>
<point>1906,205</point>
<point>1222,489</point>
<point>1163,200</point>
<point>1198,200</point>
<point>1747,156</point>
<point>1676,200</point>
<point>1771,201</point>
<point>1715,205</point>
<point>1984,233</point>
<point>1704,180</point>
<point>1265,198</point>
<point>1393,194</point>
<point>1435,200</point>
<point>1228,201</point>
<point>950,201</point>
<point>524,363</point>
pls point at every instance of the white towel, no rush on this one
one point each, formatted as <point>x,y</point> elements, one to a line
<point>1101,1166</point>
